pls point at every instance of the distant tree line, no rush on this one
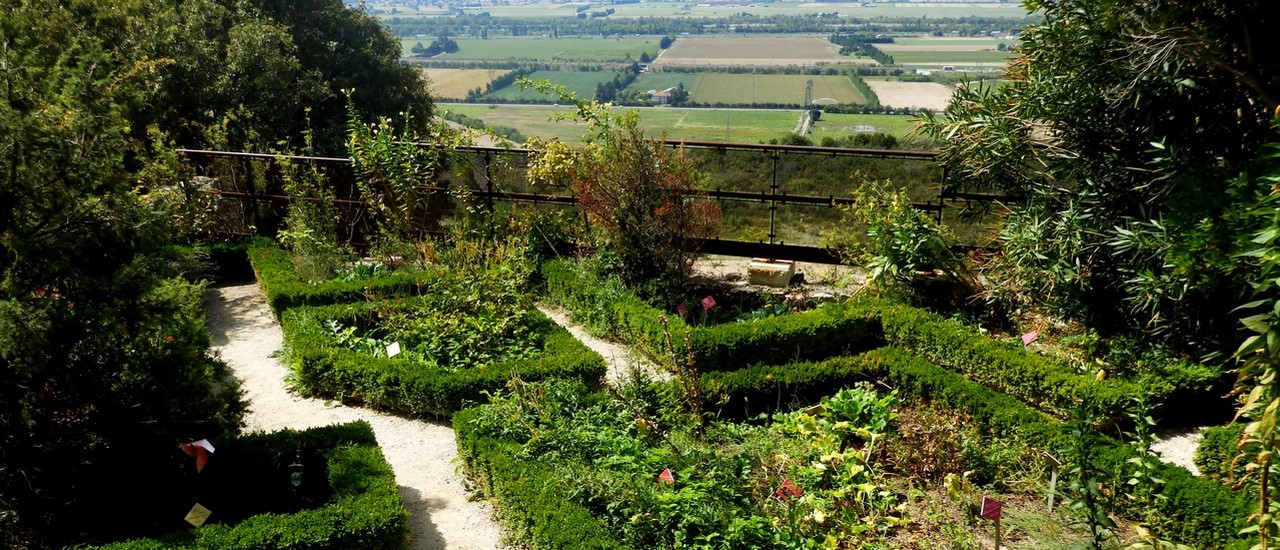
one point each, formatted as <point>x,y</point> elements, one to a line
<point>440,45</point>
<point>483,25</point>
<point>608,91</point>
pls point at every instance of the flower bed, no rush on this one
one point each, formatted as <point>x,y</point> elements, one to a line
<point>331,488</point>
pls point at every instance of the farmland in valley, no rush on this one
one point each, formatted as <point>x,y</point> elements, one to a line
<point>837,125</point>
<point>745,89</point>
<point>455,83</point>
<point>913,10</point>
<point>580,83</point>
<point>662,81</point>
<point>914,95</point>
<point>739,125</point>
<point>942,51</point>
<point>547,49</point>
<point>758,50</point>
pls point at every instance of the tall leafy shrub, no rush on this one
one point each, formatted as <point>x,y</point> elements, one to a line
<point>104,362</point>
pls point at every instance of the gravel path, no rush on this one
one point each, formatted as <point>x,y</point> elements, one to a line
<point>1179,447</point>
<point>422,453</point>
<point>618,359</point>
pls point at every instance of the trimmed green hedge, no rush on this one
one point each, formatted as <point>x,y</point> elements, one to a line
<point>1197,510</point>
<point>534,505</point>
<point>321,367</point>
<point>1218,449</point>
<point>365,509</point>
<point>1036,379</point>
<point>285,290</point>
<point>607,309</point>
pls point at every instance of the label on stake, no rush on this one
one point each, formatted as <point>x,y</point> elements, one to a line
<point>990,509</point>
<point>198,515</point>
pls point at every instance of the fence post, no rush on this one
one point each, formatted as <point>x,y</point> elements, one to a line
<point>773,197</point>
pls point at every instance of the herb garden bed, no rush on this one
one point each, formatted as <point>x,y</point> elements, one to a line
<point>446,359</point>
<point>840,328</point>
<point>286,289</point>
<point>320,488</point>
<point>746,484</point>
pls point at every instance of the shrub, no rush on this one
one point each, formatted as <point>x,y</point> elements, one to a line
<point>536,507</point>
<point>322,366</point>
<point>1197,510</point>
<point>1217,453</point>
<point>286,289</point>
<point>364,509</point>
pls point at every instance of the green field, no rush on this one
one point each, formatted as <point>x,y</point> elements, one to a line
<point>840,125</point>
<point>662,81</point>
<point>581,84</point>
<point>547,49</point>
<point>985,57</point>
<point>745,89</point>
<point>682,9</point>
<point>737,125</point>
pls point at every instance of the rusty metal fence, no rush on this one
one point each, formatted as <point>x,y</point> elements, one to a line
<point>777,200</point>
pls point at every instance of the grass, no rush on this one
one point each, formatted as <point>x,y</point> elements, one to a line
<point>950,58</point>
<point>594,49</point>
<point>455,83</point>
<point>582,84</point>
<point>662,81</point>
<point>776,49</point>
<point>734,89</point>
<point>740,125</point>
<point>840,125</point>
<point>681,9</point>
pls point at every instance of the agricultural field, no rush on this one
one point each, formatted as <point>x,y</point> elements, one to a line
<point>763,50</point>
<point>592,49</point>
<point>838,125</point>
<point>739,125</point>
<point>915,95</point>
<point>682,9</point>
<point>742,89</point>
<point>455,83</point>
<point>580,83</point>
<point>942,51</point>
<point>662,81</point>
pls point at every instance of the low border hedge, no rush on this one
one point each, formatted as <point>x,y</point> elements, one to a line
<point>285,290</point>
<point>1196,510</point>
<point>609,310</point>
<point>862,324</point>
<point>365,510</point>
<point>533,505</point>
<point>321,367</point>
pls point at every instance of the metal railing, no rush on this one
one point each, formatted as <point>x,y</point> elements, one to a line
<point>249,185</point>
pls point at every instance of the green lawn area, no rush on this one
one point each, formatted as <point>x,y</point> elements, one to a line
<point>547,49</point>
<point>582,84</point>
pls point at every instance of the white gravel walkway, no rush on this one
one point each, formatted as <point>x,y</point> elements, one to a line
<point>422,453</point>
<point>618,358</point>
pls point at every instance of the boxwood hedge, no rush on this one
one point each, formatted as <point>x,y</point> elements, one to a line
<point>284,289</point>
<point>534,505</point>
<point>321,367</point>
<point>858,325</point>
<point>1196,510</point>
<point>364,511</point>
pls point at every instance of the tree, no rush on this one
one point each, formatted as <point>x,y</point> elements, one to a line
<point>104,360</point>
<point>665,42</point>
<point>1119,126</point>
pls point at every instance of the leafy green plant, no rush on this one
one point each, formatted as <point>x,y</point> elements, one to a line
<point>1090,498</point>
<point>636,194</point>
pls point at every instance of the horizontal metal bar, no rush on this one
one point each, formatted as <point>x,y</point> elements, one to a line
<point>812,254</point>
<point>262,156</point>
